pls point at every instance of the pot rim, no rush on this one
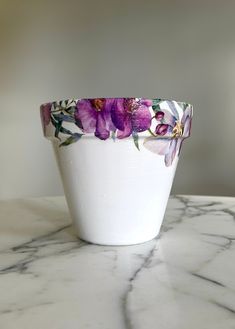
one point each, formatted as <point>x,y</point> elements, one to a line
<point>115,98</point>
<point>158,119</point>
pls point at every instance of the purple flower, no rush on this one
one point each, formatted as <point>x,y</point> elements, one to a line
<point>95,116</point>
<point>45,112</point>
<point>159,115</point>
<point>170,134</point>
<point>131,115</point>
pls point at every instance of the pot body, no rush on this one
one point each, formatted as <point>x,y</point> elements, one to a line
<point>116,194</point>
<point>117,159</point>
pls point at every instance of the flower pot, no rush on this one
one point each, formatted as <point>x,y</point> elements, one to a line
<point>117,159</point>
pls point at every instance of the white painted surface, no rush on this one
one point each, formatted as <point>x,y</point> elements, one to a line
<point>117,195</point>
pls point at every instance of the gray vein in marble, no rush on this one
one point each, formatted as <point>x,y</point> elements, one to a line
<point>208,279</point>
<point>182,279</point>
<point>22,309</point>
<point>144,264</point>
<point>227,308</point>
<point>31,248</point>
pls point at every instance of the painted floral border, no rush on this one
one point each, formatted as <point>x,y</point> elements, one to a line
<point>166,123</point>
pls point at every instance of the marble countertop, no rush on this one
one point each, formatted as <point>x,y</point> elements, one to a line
<point>184,279</point>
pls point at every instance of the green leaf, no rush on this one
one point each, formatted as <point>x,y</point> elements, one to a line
<point>184,106</point>
<point>72,139</point>
<point>65,131</point>
<point>156,104</point>
<point>62,117</point>
<point>157,101</point>
<point>63,104</point>
<point>71,110</point>
<point>113,135</point>
<point>136,139</point>
<point>71,103</point>
<point>53,121</point>
<point>156,108</point>
<point>58,126</point>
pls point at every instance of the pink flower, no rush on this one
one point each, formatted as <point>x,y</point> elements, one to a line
<point>45,111</point>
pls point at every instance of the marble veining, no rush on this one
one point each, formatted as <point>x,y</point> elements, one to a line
<point>185,278</point>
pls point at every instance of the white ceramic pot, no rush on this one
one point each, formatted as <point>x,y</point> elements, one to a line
<point>117,159</point>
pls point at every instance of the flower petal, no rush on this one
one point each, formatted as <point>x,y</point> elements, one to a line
<point>157,145</point>
<point>186,121</point>
<point>179,144</point>
<point>141,118</point>
<point>108,107</point>
<point>168,119</point>
<point>173,108</point>
<point>101,132</point>
<point>127,129</point>
<point>118,114</point>
<point>87,115</point>
<point>146,102</point>
<point>109,103</point>
<point>164,129</point>
<point>171,152</point>
<point>46,113</point>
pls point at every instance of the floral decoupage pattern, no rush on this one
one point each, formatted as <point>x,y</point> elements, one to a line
<point>162,124</point>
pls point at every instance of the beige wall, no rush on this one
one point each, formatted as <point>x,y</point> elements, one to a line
<point>183,50</point>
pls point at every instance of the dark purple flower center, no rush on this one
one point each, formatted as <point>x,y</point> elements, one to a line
<point>161,129</point>
<point>98,104</point>
<point>159,115</point>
